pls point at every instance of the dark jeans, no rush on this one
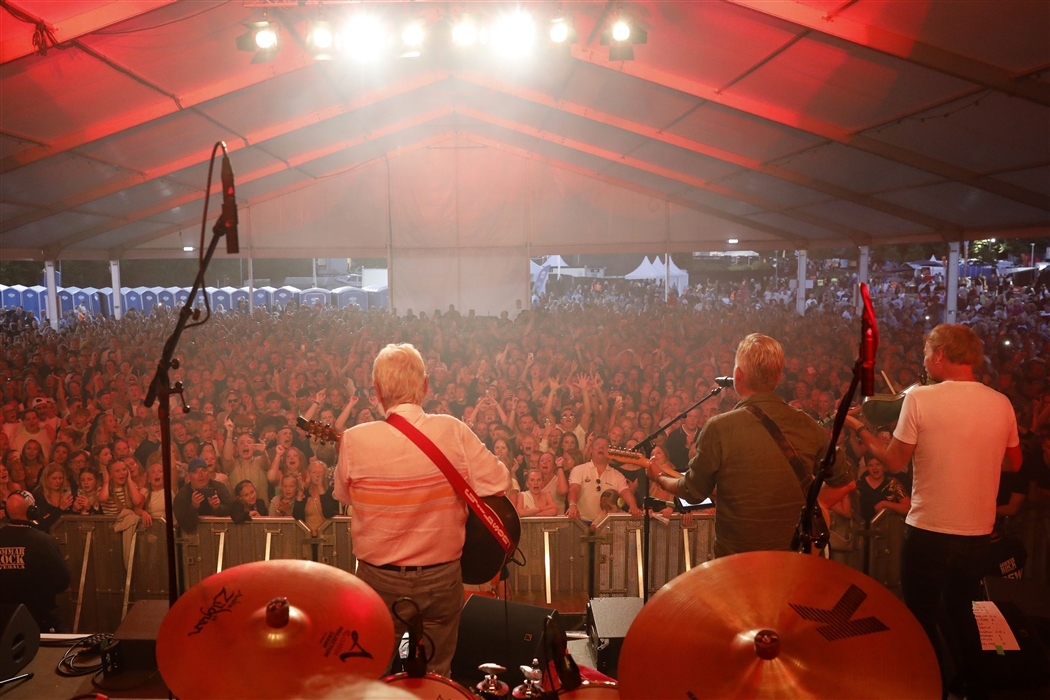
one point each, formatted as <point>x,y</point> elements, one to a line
<point>940,577</point>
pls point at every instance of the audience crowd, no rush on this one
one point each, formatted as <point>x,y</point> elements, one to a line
<point>608,358</point>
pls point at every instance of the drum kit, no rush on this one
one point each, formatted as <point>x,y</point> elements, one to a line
<point>760,624</point>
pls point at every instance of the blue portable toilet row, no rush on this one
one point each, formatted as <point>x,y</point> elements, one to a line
<point>378,297</point>
<point>343,297</point>
<point>32,299</point>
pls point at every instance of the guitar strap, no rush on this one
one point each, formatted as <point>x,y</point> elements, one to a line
<point>460,484</point>
<point>801,473</point>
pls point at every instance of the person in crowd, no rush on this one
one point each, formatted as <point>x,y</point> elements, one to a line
<point>245,461</point>
<point>760,495</point>
<point>246,503</point>
<point>588,480</point>
<point>119,493</point>
<point>153,494</point>
<point>681,443</point>
<point>53,496</point>
<point>879,492</point>
<point>101,457</point>
<point>318,504</point>
<point>31,428</point>
<point>417,552</point>
<point>289,461</point>
<point>86,502</point>
<point>34,570</point>
<point>534,500</point>
<point>201,496</point>
<point>555,481</point>
<point>13,463</point>
<point>289,493</point>
<point>33,462</point>
<point>7,487</point>
<point>952,510</point>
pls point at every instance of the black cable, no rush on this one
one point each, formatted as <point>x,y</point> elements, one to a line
<point>200,249</point>
<point>407,623</point>
<point>68,665</point>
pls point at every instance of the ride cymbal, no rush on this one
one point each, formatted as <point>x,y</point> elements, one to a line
<point>274,629</point>
<point>776,625</point>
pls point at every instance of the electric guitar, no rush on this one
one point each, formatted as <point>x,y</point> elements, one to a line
<point>483,555</point>
<point>622,456</point>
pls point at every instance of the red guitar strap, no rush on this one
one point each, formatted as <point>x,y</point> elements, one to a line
<point>455,478</point>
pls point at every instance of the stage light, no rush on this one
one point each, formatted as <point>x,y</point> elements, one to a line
<point>621,31</point>
<point>465,34</point>
<point>621,37</point>
<point>187,249</point>
<point>559,32</point>
<point>321,40</point>
<point>364,38</point>
<point>514,34</point>
<point>413,35</point>
<point>262,38</point>
<point>733,241</point>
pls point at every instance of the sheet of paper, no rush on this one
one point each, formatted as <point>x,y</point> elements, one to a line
<point>995,631</point>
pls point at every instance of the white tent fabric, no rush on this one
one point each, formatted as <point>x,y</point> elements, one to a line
<point>678,278</point>
<point>644,271</point>
<point>556,261</point>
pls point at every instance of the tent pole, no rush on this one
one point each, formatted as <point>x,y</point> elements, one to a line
<point>862,275</point>
<point>951,307</point>
<point>800,296</point>
<point>389,239</point>
<point>667,250</point>
<point>251,287</point>
<point>118,302</point>
<point>53,310</point>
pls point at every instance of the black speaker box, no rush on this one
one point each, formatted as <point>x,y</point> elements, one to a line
<point>19,639</point>
<point>138,632</point>
<point>608,620</point>
<point>498,632</point>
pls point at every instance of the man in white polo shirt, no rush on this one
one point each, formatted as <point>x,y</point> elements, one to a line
<point>962,435</point>
<point>588,480</point>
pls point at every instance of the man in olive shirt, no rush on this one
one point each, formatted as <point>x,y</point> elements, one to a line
<point>759,498</point>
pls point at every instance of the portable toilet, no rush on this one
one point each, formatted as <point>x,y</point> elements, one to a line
<point>181,295</point>
<point>88,298</point>
<point>65,300</point>
<point>378,297</point>
<point>3,288</point>
<point>132,299</point>
<point>236,297</point>
<point>105,300</point>
<point>148,298</point>
<point>263,296</point>
<point>32,300</point>
<point>13,296</point>
<point>343,297</point>
<point>315,296</point>
<point>166,297</point>
<point>285,295</point>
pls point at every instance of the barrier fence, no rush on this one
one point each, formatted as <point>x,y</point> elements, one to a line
<point>565,562</point>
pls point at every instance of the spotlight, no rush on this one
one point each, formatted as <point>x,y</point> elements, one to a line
<point>559,32</point>
<point>464,34</point>
<point>621,37</point>
<point>733,241</point>
<point>514,34</point>
<point>187,249</point>
<point>322,40</point>
<point>621,31</point>
<point>413,35</point>
<point>364,38</point>
<point>262,38</point>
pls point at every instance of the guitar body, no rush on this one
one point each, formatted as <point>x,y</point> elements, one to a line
<point>483,556</point>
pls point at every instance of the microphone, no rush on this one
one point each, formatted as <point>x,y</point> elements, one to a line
<point>724,382</point>
<point>229,206</point>
<point>869,343</point>
<point>416,662</point>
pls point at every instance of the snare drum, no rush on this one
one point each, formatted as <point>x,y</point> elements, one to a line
<point>592,690</point>
<point>432,687</point>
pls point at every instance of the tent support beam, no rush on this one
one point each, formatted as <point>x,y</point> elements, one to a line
<point>800,297</point>
<point>118,301</point>
<point>787,117</point>
<point>54,312</point>
<point>862,274</point>
<point>904,47</point>
<point>951,301</point>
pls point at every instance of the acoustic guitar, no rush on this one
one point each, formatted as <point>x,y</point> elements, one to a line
<point>483,555</point>
<point>622,456</point>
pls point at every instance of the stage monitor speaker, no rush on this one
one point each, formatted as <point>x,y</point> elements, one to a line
<point>608,620</point>
<point>498,632</point>
<point>19,639</point>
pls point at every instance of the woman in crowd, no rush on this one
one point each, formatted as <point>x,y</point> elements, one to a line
<point>288,462</point>
<point>246,503</point>
<point>118,492</point>
<point>879,492</point>
<point>7,487</point>
<point>33,462</point>
<point>288,494</point>
<point>60,453</point>
<point>211,458</point>
<point>153,494</point>
<point>534,500</point>
<point>101,458</point>
<point>318,504</point>
<point>13,463</point>
<point>555,481</point>
<point>54,495</point>
<point>658,458</point>
<point>86,502</point>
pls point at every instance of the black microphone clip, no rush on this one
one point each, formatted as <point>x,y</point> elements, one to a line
<point>724,382</point>
<point>227,223</point>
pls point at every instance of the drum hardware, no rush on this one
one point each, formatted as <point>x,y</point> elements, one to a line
<point>429,687</point>
<point>533,685</point>
<point>491,687</point>
<point>595,690</point>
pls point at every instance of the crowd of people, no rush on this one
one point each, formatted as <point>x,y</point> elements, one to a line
<point>592,366</point>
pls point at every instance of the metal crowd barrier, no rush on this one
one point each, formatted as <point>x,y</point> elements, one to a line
<point>566,563</point>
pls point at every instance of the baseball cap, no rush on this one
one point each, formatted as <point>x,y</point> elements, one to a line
<point>196,463</point>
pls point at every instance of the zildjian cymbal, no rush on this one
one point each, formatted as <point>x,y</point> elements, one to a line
<point>274,629</point>
<point>776,625</point>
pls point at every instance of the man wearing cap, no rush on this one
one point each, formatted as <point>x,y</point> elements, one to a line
<point>31,429</point>
<point>201,495</point>
<point>32,569</point>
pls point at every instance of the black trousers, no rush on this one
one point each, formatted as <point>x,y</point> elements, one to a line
<point>940,577</point>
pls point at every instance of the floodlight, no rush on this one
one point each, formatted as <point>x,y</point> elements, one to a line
<point>621,37</point>
<point>514,34</point>
<point>262,38</point>
<point>322,40</point>
<point>187,249</point>
<point>364,38</point>
<point>413,35</point>
<point>733,241</point>
<point>621,31</point>
<point>465,34</point>
<point>559,32</point>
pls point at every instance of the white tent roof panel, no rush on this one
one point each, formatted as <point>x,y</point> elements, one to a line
<point>802,229</point>
<point>159,142</point>
<point>625,96</point>
<point>145,196</point>
<point>780,192</point>
<point>683,161</point>
<point>695,227</point>
<point>862,218</point>
<point>1036,179</point>
<point>856,170</point>
<point>741,133</point>
<point>122,235</point>
<point>965,206</point>
<point>54,179</point>
<point>717,201</point>
<point>54,228</point>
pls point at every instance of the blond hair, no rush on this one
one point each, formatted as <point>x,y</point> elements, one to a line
<point>959,344</point>
<point>761,359</point>
<point>400,374</point>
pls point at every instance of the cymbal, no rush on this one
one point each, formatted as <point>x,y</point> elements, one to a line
<point>274,629</point>
<point>776,624</point>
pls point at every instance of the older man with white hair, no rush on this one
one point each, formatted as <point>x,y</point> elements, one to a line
<point>759,494</point>
<point>408,523</point>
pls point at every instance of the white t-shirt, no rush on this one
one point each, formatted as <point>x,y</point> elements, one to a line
<point>591,487</point>
<point>961,431</point>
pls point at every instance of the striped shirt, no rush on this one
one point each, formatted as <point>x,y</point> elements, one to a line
<point>403,510</point>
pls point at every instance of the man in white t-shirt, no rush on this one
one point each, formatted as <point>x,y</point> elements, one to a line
<point>588,480</point>
<point>961,435</point>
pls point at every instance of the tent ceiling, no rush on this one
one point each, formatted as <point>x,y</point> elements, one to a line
<point>797,123</point>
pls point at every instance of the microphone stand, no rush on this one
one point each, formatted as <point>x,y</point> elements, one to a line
<point>646,448</point>
<point>162,388</point>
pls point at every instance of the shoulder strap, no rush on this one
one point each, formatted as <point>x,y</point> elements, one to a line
<point>801,473</point>
<point>460,484</point>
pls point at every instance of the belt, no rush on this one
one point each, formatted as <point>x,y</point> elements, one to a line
<point>404,569</point>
